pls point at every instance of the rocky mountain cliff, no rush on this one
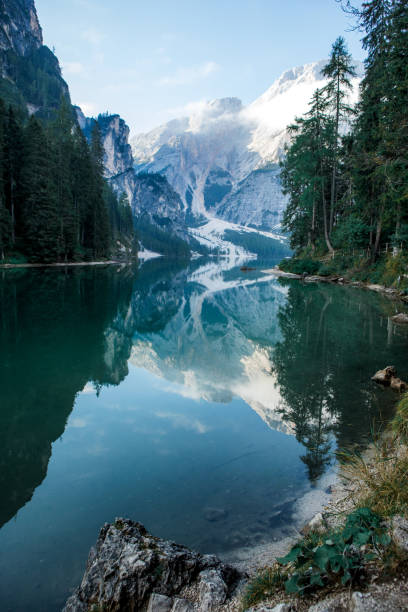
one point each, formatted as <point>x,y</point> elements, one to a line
<point>222,159</point>
<point>158,211</point>
<point>20,29</point>
<point>31,75</point>
<point>200,309</point>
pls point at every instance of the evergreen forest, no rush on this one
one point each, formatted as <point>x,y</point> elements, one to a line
<point>345,169</point>
<point>55,205</point>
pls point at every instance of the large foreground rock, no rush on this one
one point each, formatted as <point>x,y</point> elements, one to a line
<point>130,570</point>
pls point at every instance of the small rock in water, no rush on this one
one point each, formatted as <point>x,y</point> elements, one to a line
<point>215,514</point>
<point>400,318</point>
<point>388,378</point>
<point>383,377</point>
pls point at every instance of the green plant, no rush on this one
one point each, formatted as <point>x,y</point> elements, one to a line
<point>323,558</point>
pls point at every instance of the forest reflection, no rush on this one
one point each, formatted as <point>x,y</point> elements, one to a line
<point>333,340</point>
<point>61,330</point>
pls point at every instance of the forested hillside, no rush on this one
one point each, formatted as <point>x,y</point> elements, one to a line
<point>55,204</point>
<point>346,169</point>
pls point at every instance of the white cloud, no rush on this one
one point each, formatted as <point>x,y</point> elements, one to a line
<point>184,422</point>
<point>93,36</point>
<point>186,75</point>
<point>186,110</point>
<point>73,68</point>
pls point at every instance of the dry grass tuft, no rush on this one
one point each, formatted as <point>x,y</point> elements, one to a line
<point>380,482</point>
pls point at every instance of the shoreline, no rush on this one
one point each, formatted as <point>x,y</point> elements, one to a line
<point>338,280</point>
<point>313,503</point>
<point>126,554</point>
<point>8,266</point>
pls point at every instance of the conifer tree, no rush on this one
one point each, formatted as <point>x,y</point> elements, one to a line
<point>13,148</point>
<point>82,189</point>
<point>370,170</point>
<point>5,220</point>
<point>100,232</point>
<point>306,174</point>
<point>394,146</point>
<point>40,223</point>
<point>60,131</point>
<point>339,71</point>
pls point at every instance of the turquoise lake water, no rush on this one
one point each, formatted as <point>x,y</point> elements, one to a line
<point>202,401</point>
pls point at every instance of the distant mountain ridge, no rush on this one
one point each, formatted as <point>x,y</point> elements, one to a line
<point>218,163</point>
<point>222,159</point>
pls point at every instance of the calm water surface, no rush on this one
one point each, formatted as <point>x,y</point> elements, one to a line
<point>203,402</point>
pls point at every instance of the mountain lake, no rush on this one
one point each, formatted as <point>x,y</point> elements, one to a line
<point>205,402</point>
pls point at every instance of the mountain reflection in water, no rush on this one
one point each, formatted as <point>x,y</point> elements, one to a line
<point>165,348</point>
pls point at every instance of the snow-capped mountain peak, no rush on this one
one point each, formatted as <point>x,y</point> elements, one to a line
<point>222,157</point>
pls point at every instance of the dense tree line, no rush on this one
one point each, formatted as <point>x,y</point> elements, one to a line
<point>346,169</point>
<point>34,78</point>
<point>54,202</point>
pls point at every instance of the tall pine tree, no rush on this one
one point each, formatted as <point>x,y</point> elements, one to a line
<point>339,71</point>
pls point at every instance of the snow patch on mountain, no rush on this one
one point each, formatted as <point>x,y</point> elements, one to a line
<point>212,157</point>
<point>212,235</point>
<point>285,100</point>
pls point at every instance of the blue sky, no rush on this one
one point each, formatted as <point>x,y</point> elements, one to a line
<point>150,61</point>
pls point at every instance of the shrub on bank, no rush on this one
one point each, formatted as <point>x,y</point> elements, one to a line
<point>300,265</point>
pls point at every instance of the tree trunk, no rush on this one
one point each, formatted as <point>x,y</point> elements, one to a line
<point>313,225</point>
<point>326,233</point>
<point>13,214</point>
<point>336,136</point>
<point>377,235</point>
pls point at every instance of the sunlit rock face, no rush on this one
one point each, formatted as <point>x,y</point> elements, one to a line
<point>20,30</point>
<point>222,158</point>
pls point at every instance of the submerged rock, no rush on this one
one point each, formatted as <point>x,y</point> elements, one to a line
<point>129,570</point>
<point>215,514</point>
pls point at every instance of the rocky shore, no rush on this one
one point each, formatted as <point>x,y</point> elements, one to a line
<point>340,280</point>
<point>131,570</point>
